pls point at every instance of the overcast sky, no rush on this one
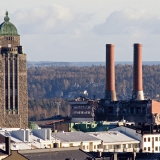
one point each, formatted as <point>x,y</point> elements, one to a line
<point>78,30</point>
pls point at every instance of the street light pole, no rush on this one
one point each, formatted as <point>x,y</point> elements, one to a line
<point>58,106</point>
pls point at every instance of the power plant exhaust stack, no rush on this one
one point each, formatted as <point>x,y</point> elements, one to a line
<point>110,93</point>
<point>137,73</point>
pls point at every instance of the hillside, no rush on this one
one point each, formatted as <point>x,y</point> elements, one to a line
<point>46,84</point>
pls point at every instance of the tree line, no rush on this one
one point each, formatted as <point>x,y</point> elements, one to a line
<point>45,82</point>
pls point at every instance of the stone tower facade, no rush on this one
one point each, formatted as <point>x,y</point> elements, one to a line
<point>13,78</point>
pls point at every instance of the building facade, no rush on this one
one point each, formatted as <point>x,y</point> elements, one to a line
<point>148,136</point>
<point>13,78</point>
<point>82,109</point>
<point>115,141</point>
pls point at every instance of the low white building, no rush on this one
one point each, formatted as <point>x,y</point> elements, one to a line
<point>78,139</point>
<point>149,142</point>
<point>115,141</point>
<point>27,139</point>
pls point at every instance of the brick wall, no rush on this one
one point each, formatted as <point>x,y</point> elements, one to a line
<point>155,107</point>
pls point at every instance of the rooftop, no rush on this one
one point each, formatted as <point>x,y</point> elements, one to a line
<point>57,153</point>
<point>16,144</point>
<point>74,137</point>
<point>7,28</point>
<point>113,137</point>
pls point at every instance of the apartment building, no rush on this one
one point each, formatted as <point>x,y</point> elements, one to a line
<point>147,135</point>
<point>115,141</point>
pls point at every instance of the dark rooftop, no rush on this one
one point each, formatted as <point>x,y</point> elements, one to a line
<point>148,156</point>
<point>56,154</point>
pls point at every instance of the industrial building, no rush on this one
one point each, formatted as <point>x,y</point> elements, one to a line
<point>137,109</point>
<point>82,109</point>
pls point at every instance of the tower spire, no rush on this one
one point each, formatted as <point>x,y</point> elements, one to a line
<point>6,18</point>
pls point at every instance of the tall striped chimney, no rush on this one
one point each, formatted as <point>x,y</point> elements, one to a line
<point>137,73</point>
<point>110,93</point>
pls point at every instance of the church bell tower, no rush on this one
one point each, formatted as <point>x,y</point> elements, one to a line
<point>13,78</point>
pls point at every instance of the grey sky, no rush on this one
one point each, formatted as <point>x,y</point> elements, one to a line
<point>77,30</point>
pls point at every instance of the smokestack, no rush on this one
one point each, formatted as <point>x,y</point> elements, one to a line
<point>110,93</point>
<point>137,73</point>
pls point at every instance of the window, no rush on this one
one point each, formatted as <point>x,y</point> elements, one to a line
<point>99,146</point>
<point>117,146</point>
<point>144,139</point>
<point>109,146</point>
<point>148,148</point>
<point>156,148</point>
<point>74,112</point>
<point>124,145</point>
<point>6,103</point>
<point>11,102</point>
<point>83,147</point>
<point>156,139</point>
<point>144,148</point>
<point>9,45</point>
<point>148,139</point>
<point>129,145</point>
<point>104,147</point>
<point>94,146</point>
<point>136,145</point>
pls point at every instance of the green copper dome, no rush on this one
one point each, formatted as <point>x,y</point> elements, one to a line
<point>7,28</point>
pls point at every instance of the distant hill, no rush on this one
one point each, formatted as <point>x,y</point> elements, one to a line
<point>48,85</point>
<point>83,64</point>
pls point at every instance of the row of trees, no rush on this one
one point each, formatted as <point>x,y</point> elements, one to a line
<point>46,108</point>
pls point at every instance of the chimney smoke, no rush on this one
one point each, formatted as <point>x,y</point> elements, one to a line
<point>137,73</point>
<point>110,93</point>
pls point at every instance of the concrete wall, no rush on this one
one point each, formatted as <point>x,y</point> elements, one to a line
<point>155,107</point>
<point>22,135</point>
<point>44,134</point>
<point>86,145</point>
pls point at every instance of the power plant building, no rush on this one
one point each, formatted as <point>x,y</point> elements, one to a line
<point>13,78</point>
<point>137,109</point>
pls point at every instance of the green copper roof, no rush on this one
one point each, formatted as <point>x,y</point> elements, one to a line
<point>7,28</point>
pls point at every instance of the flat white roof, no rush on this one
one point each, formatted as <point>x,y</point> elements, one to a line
<point>74,136</point>
<point>17,144</point>
<point>113,137</point>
